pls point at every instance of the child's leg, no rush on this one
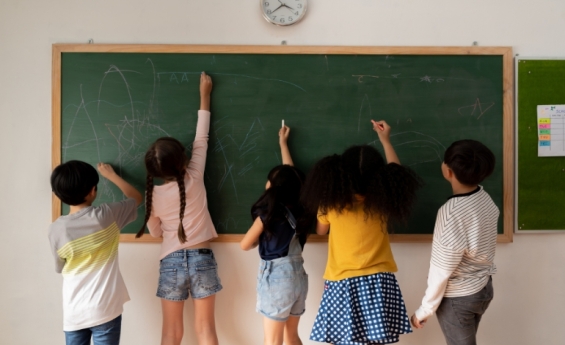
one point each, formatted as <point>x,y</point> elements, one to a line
<point>173,329</point>
<point>80,337</point>
<point>204,320</point>
<point>459,317</point>
<point>291,331</point>
<point>274,331</point>
<point>107,333</point>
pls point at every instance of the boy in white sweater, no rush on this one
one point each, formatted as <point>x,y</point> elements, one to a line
<point>459,281</point>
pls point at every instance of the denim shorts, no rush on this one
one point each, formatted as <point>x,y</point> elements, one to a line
<point>187,272</point>
<point>105,334</point>
<point>282,286</point>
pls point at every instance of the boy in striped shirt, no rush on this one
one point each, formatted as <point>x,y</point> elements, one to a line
<point>85,248</point>
<point>459,281</point>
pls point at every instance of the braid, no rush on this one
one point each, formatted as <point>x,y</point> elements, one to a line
<point>148,200</point>
<point>182,193</point>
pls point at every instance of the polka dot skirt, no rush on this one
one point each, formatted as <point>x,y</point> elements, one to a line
<point>361,310</point>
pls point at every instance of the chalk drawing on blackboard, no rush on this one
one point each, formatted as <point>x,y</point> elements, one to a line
<point>365,98</point>
<point>233,75</point>
<point>478,105</point>
<point>361,76</point>
<point>422,141</point>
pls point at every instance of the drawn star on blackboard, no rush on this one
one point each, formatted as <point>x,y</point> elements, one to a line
<point>426,78</point>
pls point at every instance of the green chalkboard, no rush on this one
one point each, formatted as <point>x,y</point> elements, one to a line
<point>113,105</point>
<point>541,180</point>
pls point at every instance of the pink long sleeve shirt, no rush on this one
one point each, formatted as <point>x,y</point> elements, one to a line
<point>164,219</point>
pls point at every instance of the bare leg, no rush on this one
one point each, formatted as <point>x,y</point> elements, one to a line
<point>173,328</point>
<point>274,331</point>
<point>204,320</point>
<point>291,331</point>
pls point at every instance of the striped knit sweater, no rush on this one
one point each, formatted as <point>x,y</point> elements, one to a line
<point>463,249</point>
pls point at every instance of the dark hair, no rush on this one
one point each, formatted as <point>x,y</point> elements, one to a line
<point>72,181</point>
<point>389,190</point>
<point>286,183</point>
<point>470,160</point>
<point>165,159</point>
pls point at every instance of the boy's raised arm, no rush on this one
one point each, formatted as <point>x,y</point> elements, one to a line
<point>129,191</point>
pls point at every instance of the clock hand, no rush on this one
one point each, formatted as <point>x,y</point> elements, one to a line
<point>277,8</point>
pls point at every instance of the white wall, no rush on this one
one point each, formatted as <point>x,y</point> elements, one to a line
<point>529,288</point>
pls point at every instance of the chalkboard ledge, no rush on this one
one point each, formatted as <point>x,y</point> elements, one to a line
<point>129,238</point>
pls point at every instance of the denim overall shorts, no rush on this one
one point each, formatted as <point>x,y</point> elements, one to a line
<point>282,285</point>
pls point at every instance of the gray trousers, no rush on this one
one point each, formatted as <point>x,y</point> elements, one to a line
<point>459,317</point>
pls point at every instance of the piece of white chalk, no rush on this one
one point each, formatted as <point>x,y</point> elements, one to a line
<point>283,123</point>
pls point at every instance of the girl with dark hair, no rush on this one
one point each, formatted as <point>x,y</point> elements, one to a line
<point>359,197</point>
<point>280,229</point>
<point>178,211</point>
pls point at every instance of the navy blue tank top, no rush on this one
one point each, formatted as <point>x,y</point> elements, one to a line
<point>277,245</point>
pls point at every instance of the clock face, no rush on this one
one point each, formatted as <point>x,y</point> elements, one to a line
<point>283,12</point>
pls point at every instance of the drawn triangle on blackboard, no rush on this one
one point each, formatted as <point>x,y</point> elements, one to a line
<point>478,109</point>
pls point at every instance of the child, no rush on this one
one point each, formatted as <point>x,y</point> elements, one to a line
<point>280,229</point>
<point>178,211</point>
<point>459,281</point>
<point>85,246</point>
<point>358,196</point>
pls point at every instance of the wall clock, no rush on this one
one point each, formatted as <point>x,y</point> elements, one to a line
<point>283,12</point>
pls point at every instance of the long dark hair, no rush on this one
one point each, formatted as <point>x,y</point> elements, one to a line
<point>165,159</point>
<point>286,184</point>
<point>389,190</point>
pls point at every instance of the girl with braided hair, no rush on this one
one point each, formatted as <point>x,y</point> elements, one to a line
<point>178,211</point>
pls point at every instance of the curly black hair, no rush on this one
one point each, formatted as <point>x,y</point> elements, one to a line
<point>389,190</point>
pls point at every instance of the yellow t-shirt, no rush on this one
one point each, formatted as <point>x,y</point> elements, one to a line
<point>357,246</point>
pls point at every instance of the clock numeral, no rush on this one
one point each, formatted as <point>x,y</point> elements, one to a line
<point>266,4</point>
<point>299,5</point>
<point>274,17</point>
<point>282,20</point>
<point>296,13</point>
<point>269,11</point>
<point>290,19</point>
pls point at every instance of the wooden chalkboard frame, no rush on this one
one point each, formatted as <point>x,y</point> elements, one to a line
<point>508,123</point>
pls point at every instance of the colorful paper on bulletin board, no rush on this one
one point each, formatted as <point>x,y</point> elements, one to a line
<point>551,130</point>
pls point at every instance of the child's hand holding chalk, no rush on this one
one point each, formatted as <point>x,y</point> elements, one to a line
<point>382,128</point>
<point>284,132</point>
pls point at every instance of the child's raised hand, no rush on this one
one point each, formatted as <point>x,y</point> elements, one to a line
<point>382,128</point>
<point>284,132</point>
<point>205,91</point>
<point>205,85</point>
<point>105,170</point>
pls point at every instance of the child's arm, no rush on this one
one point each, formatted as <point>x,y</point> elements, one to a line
<point>284,132</point>
<point>129,191</point>
<point>443,263</point>
<point>251,238</point>
<point>322,229</point>
<point>205,91</point>
<point>383,131</point>
<point>200,145</point>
